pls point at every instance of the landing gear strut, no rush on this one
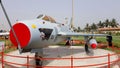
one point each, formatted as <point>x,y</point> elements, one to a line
<point>38,59</point>
<point>88,50</point>
<point>69,42</point>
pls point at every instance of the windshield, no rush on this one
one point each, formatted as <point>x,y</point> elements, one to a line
<point>48,18</point>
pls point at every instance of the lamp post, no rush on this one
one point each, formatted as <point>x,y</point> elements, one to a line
<point>72,25</point>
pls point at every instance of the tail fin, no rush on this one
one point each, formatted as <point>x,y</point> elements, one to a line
<point>70,23</point>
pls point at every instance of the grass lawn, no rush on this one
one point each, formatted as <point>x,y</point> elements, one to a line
<point>116,40</point>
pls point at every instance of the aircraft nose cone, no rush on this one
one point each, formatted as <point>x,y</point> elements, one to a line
<point>23,34</point>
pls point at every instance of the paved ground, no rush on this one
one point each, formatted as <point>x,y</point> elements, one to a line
<point>64,52</point>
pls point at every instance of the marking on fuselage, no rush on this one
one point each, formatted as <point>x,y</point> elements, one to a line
<point>34,26</point>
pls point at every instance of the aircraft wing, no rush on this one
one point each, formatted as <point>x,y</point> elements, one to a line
<point>78,34</point>
<point>4,33</point>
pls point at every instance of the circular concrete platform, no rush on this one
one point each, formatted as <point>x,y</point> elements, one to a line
<point>65,52</point>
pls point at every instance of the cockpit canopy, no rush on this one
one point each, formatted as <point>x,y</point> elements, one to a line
<point>46,18</point>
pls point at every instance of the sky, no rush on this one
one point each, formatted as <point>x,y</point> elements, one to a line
<point>85,11</point>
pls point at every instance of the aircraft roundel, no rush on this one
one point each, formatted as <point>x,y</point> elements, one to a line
<point>23,34</point>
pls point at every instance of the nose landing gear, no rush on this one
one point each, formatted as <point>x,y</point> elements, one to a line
<point>38,60</point>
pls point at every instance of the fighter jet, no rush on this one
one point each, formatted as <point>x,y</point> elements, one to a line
<point>34,35</point>
<point>43,31</point>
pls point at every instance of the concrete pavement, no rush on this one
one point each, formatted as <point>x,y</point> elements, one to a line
<point>63,52</point>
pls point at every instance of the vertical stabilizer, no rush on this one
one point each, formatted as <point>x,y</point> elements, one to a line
<point>72,23</point>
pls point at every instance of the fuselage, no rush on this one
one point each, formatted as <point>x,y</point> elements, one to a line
<point>38,33</point>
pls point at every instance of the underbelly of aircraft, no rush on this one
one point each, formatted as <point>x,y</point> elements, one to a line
<point>45,43</point>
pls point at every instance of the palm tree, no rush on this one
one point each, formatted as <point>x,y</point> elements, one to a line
<point>93,26</point>
<point>87,28</point>
<point>100,24</point>
<point>107,23</point>
<point>79,29</point>
<point>114,23</point>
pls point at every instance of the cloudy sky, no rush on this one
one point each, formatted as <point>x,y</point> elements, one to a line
<point>85,11</point>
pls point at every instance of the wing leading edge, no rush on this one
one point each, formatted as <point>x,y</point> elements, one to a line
<point>78,34</point>
<point>4,34</point>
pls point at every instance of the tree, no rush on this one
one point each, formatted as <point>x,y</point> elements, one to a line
<point>93,26</point>
<point>100,24</point>
<point>106,23</point>
<point>87,27</point>
<point>79,29</point>
<point>75,29</point>
<point>114,23</point>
